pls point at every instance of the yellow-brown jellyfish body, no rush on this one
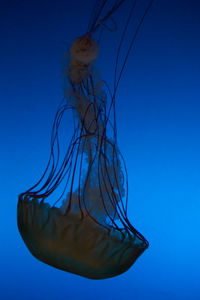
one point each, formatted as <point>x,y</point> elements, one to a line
<point>86,229</point>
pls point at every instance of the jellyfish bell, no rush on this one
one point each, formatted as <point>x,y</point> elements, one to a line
<point>76,243</point>
<point>85,229</point>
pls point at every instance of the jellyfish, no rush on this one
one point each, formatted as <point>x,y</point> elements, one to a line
<point>75,218</point>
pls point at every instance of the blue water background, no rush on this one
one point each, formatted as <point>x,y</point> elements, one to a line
<point>158,115</point>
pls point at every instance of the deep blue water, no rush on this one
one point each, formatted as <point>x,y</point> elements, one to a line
<point>158,115</point>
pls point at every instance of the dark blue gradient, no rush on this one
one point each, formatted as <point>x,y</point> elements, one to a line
<point>158,115</point>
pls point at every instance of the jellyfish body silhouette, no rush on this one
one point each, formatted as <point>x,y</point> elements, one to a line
<point>85,229</point>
